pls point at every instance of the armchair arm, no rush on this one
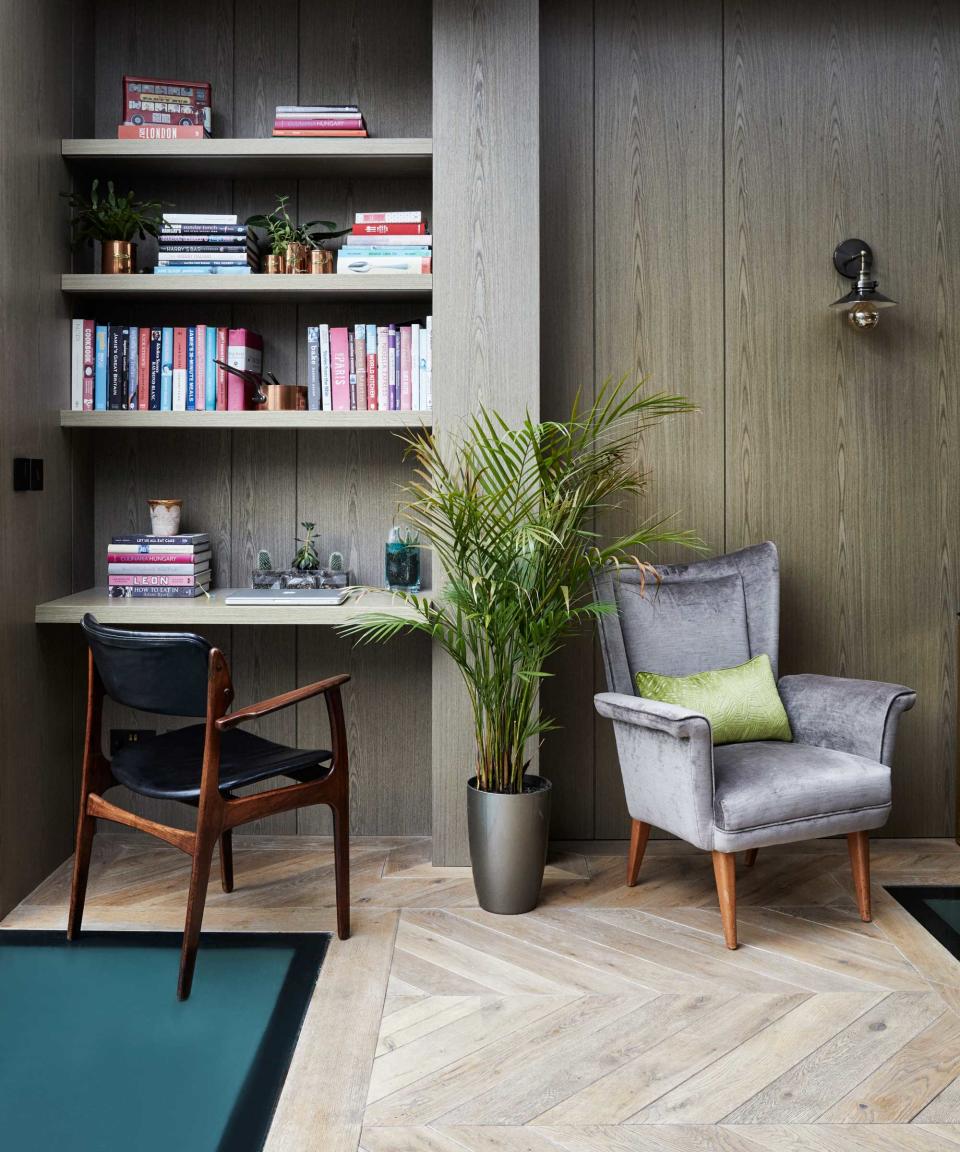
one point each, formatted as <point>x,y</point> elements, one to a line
<point>666,759</point>
<point>275,703</point>
<point>858,716</point>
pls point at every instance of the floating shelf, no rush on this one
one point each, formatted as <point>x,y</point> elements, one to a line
<point>263,158</point>
<point>254,419</point>
<point>256,287</point>
<point>206,611</point>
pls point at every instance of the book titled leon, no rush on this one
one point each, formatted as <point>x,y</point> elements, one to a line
<point>154,567</point>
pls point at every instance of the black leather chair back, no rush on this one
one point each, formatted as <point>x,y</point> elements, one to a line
<point>164,672</point>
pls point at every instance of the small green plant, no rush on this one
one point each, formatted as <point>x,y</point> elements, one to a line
<point>264,562</point>
<point>307,559</point>
<point>112,217</point>
<point>335,563</point>
<point>281,230</point>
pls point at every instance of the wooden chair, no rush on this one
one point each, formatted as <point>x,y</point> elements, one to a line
<point>180,674</point>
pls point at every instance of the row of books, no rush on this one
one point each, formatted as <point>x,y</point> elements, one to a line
<point>161,369</point>
<point>370,367</point>
<point>199,242</point>
<point>157,567</point>
<point>387,242</point>
<point>318,120</point>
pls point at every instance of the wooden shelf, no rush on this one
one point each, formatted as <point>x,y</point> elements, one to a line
<point>208,611</point>
<point>263,158</point>
<point>256,287</point>
<point>254,419</point>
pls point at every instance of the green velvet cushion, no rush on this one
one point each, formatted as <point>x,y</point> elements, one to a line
<point>741,703</point>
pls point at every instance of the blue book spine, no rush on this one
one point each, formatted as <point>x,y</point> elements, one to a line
<point>202,270</point>
<point>166,370</point>
<point>191,369</point>
<point>100,370</point>
<point>153,386</point>
<point>397,250</point>
<point>210,375</point>
<point>133,367</point>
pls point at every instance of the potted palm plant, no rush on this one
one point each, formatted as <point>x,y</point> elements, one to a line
<point>509,513</point>
<point>116,222</point>
<point>290,243</point>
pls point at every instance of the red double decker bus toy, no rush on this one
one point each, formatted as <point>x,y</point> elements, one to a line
<point>147,100</point>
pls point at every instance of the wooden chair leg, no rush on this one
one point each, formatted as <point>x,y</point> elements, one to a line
<point>341,857</point>
<point>199,878</point>
<point>86,828</point>
<point>226,860</point>
<point>639,834</point>
<point>724,871</point>
<point>751,857</point>
<point>859,845</point>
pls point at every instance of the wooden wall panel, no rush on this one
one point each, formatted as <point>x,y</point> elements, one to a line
<point>486,344</point>
<point>842,446</point>
<point>659,307</point>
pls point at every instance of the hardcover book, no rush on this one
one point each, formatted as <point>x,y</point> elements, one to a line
<point>211,371</point>
<point>372,367</point>
<point>326,383</point>
<point>124,568</point>
<point>156,593</point>
<point>133,367</point>
<point>392,367</point>
<point>405,217</point>
<point>191,404</point>
<point>406,377</point>
<point>383,362</point>
<point>387,229</point>
<point>360,361</point>
<point>166,369</point>
<point>151,581</point>
<point>116,377</point>
<point>381,239</point>
<point>314,395</point>
<point>415,368</point>
<point>222,337</point>
<point>244,351</point>
<point>143,369</point>
<point>179,370</point>
<point>340,370</point>
<point>89,363</point>
<point>192,538</point>
<point>350,265</point>
<point>153,384</point>
<point>76,365</point>
<point>161,132</point>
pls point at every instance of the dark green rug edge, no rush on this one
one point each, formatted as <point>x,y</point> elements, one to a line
<point>913,898</point>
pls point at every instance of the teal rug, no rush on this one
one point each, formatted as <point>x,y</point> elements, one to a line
<point>97,1054</point>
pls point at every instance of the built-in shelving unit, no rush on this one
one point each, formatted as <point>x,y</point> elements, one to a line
<point>209,611</point>
<point>256,158</point>
<point>254,419</point>
<point>255,287</point>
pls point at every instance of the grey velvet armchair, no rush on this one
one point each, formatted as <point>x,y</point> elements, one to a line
<point>834,778</point>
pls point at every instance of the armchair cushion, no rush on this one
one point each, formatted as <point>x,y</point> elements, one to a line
<point>764,784</point>
<point>680,627</point>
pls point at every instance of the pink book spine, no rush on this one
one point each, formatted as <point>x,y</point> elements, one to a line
<point>319,124</point>
<point>372,380</point>
<point>200,371</point>
<point>89,363</point>
<point>221,372</point>
<point>244,350</point>
<point>340,369</point>
<point>406,378</point>
<point>360,356</point>
<point>151,558</point>
<point>383,395</point>
<point>150,581</point>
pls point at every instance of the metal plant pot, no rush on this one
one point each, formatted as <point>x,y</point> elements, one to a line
<point>508,845</point>
<point>118,257</point>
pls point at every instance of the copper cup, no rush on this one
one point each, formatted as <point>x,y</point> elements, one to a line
<point>274,264</point>
<point>321,261</point>
<point>117,257</point>
<point>296,258</point>
<point>284,397</point>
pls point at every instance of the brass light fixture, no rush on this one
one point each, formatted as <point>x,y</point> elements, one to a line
<point>862,304</point>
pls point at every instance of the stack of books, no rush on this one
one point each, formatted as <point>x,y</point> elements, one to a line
<point>154,567</point>
<point>386,242</point>
<point>318,120</point>
<point>165,109</point>
<point>205,243</point>
<point>370,367</point>
<point>158,369</point>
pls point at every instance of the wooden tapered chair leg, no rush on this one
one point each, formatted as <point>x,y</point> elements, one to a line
<point>639,835</point>
<point>750,857</point>
<point>858,844</point>
<point>725,873</point>
<point>341,859</point>
<point>199,878</point>
<point>226,860</point>
<point>86,828</point>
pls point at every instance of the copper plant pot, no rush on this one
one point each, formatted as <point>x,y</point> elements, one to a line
<point>321,261</point>
<point>118,257</point>
<point>274,264</point>
<point>295,259</point>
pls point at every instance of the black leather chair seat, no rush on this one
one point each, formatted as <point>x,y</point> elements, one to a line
<point>169,766</point>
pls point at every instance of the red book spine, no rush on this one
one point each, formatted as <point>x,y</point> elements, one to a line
<point>143,369</point>
<point>222,336</point>
<point>89,363</point>
<point>389,229</point>
<point>319,123</point>
<point>161,132</point>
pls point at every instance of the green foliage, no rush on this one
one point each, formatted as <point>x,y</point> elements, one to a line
<point>112,217</point>
<point>509,514</point>
<point>281,230</point>
<point>264,562</point>
<point>335,563</point>
<point>307,559</point>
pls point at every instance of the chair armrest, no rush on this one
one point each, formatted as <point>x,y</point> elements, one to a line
<point>275,703</point>
<point>858,716</point>
<point>666,760</point>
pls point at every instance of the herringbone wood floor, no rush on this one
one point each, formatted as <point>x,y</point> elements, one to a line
<point>611,1019</point>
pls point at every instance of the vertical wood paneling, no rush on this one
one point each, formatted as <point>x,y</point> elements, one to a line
<point>659,308</point>
<point>486,344</point>
<point>842,446</point>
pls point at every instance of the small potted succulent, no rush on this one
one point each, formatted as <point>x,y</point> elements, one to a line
<point>115,222</point>
<point>290,243</point>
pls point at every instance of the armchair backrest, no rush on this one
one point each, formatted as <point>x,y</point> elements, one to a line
<point>714,613</point>
<point>163,672</point>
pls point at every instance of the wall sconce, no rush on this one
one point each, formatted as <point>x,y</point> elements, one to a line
<point>862,304</point>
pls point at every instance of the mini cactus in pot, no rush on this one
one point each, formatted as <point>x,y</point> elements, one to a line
<point>264,562</point>
<point>335,563</point>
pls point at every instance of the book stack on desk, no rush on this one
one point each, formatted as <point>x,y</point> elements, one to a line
<point>155,567</point>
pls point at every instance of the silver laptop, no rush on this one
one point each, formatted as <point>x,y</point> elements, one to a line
<point>288,596</point>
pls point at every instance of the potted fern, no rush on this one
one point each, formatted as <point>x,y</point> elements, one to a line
<point>116,222</point>
<point>509,513</point>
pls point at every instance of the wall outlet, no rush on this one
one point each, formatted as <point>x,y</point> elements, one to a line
<point>119,737</point>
